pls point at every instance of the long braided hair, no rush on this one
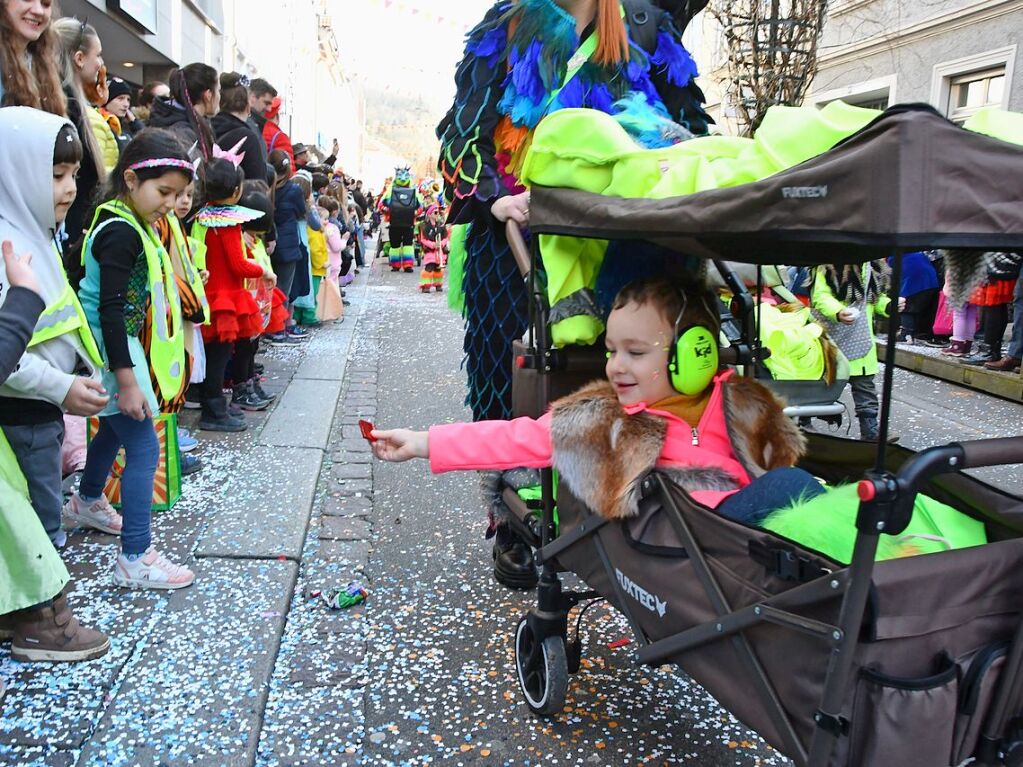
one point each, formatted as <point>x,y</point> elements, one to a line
<point>188,85</point>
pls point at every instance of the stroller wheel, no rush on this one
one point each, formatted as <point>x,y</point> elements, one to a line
<point>1013,754</point>
<point>542,670</point>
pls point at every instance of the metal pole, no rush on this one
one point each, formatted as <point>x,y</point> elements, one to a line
<point>889,359</point>
<point>840,663</point>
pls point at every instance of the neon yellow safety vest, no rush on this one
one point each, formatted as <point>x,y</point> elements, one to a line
<point>167,350</point>
<point>65,315</point>
<point>191,272</point>
<point>259,254</point>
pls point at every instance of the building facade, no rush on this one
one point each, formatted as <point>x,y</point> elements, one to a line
<point>957,55</point>
<point>293,45</point>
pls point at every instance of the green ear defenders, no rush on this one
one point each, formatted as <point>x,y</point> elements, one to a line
<point>692,356</point>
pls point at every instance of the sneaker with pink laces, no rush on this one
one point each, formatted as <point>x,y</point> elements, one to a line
<point>98,514</point>
<point>151,571</point>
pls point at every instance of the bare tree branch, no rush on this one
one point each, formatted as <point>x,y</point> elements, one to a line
<point>772,52</point>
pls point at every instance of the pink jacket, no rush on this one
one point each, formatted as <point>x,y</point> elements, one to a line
<point>527,442</point>
<point>335,244</point>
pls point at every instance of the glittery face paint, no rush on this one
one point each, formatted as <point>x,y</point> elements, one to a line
<point>637,339</point>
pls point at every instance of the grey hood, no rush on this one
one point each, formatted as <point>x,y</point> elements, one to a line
<point>27,138</point>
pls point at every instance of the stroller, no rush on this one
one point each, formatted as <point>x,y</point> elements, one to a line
<point>913,661</point>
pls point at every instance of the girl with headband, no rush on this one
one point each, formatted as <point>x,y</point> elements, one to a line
<point>127,273</point>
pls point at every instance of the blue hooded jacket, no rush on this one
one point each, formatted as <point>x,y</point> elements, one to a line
<point>289,211</point>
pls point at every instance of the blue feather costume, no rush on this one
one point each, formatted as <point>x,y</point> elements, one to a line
<point>515,61</point>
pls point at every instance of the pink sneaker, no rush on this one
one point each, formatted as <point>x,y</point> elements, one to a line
<point>957,348</point>
<point>151,571</point>
<point>99,514</point>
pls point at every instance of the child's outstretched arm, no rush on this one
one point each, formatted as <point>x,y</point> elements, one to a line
<point>397,445</point>
<point>484,445</point>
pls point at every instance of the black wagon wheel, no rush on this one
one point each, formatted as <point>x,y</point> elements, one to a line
<point>542,669</point>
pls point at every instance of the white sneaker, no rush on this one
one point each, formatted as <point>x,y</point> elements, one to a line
<point>99,515</point>
<point>151,571</point>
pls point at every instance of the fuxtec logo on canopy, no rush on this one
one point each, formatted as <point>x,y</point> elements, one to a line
<point>804,192</point>
<point>650,601</point>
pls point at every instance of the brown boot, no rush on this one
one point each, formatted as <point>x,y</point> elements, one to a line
<point>7,626</point>
<point>1005,364</point>
<point>52,633</point>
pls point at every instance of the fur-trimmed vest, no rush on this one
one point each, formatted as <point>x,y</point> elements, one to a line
<point>603,453</point>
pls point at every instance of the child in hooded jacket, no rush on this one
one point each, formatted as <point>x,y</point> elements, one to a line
<point>34,612</point>
<point>725,438</point>
<point>287,257</point>
<point>314,252</point>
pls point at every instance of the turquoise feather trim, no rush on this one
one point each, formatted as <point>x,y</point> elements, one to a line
<point>536,69</point>
<point>648,124</point>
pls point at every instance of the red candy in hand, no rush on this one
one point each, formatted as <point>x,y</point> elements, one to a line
<point>367,430</point>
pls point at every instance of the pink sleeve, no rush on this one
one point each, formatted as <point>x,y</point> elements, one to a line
<point>494,445</point>
<point>334,238</point>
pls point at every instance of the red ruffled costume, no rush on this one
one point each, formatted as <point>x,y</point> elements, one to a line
<point>234,312</point>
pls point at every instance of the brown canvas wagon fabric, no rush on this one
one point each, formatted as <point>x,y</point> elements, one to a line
<point>910,180</point>
<point>928,615</point>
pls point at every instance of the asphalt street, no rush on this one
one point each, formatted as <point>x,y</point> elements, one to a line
<point>442,679</point>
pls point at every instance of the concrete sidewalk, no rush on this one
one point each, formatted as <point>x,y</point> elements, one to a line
<point>928,361</point>
<point>189,674</point>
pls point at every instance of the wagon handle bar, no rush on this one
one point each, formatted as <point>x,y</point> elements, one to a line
<point>517,243</point>
<point>992,452</point>
<point>894,494</point>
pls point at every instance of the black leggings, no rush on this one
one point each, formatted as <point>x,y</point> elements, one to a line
<point>996,319</point>
<point>401,236</point>
<point>212,389</point>
<point>244,362</point>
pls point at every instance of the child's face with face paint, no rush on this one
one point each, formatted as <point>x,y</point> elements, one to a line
<point>638,337</point>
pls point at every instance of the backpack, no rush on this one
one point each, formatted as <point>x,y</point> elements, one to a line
<point>403,206</point>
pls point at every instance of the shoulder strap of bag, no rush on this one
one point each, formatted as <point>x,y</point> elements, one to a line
<point>642,23</point>
<point>582,54</point>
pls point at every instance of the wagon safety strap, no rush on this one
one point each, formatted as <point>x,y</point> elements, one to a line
<point>785,563</point>
<point>837,726</point>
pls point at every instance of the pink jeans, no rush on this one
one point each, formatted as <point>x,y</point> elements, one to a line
<point>964,322</point>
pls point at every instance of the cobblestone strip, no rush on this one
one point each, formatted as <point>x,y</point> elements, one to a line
<point>315,712</point>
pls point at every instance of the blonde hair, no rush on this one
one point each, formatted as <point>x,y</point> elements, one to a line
<point>37,86</point>
<point>75,37</point>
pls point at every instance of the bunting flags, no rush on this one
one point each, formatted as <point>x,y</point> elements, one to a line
<point>441,16</point>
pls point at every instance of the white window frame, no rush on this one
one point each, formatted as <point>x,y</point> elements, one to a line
<point>860,91</point>
<point>944,73</point>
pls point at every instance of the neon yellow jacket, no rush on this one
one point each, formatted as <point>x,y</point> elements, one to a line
<point>318,253</point>
<point>824,301</point>
<point>104,137</point>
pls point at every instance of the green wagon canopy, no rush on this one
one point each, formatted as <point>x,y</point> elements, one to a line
<point>910,180</point>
